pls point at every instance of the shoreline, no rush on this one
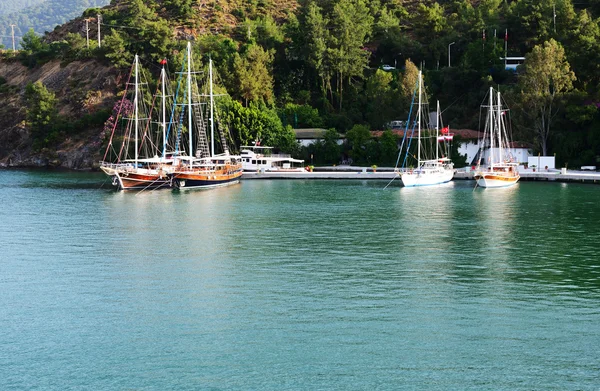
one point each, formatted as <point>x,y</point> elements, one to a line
<point>367,173</point>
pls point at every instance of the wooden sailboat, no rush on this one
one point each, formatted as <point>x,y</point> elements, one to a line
<point>150,171</point>
<point>431,169</point>
<point>501,169</point>
<point>204,169</point>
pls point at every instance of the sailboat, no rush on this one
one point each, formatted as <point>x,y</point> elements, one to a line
<point>204,169</point>
<point>149,171</point>
<point>501,169</point>
<point>431,169</point>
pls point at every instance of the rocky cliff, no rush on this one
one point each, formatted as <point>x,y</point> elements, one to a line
<point>81,87</point>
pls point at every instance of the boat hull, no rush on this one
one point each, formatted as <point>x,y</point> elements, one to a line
<point>495,180</point>
<point>426,178</point>
<point>202,180</point>
<point>131,180</point>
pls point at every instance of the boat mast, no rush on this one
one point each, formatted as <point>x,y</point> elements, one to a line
<point>437,130</point>
<point>164,112</point>
<point>135,104</point>
<point>212,122</point>
<point>419,122</point>
<point>500,152</point>
<point>189,89</point>
<point>491,112</point>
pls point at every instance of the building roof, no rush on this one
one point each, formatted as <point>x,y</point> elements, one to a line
<point>467,134</point>
<point>311,133</point>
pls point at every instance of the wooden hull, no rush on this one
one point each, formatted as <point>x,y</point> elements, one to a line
<point>188,180</point>
<point>132,180</point>
<point>492,180</point>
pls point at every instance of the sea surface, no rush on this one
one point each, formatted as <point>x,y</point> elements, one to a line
<point>298,285</point>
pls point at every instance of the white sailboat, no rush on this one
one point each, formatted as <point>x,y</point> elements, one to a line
<point>431,169</point>
<point>501,168</point>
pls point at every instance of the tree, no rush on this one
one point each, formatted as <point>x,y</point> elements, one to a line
<point>409,80</point>
<point>116,50</point>
<point>351,28</point>
<point>432,28</point>
<point>41,112</point>
<point>359,137</point>
<point>388,147</point>
<point>254,75</point>
<point>331,148</point>
<point>181,8</point>
<point>257,122</point>
<point>583,51</point>
<point>378,95</point>
<point>301,116</point>
<point>316,36</point>
<point>546,77</point>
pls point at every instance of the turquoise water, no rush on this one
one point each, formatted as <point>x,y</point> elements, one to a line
<point>298,285</point>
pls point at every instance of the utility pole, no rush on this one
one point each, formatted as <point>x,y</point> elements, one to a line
<point>452,43</point>
<point>505,46</point>
<point>12,28</point>
<point>87,32</point>
<point>99,21</point>
<point>554,16</point>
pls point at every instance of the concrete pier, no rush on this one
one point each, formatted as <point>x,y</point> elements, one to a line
<point>386,173</point>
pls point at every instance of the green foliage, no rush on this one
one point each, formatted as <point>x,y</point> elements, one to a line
<point>258,123</point>
<point>182,9</point>
<point>546,76</point>
<point>359,139</point>
<point>320,65</point>
<point>326,151</point>
<point>116,50</point>
<point>8,6</point>
<point>254,76</point>
<point>41,113</point>
<point>41,16</point>
<point>300,116</point>
<point>379,97</point>
<point>388,148</point>
<point>583,50</point>
<point>459,160</point>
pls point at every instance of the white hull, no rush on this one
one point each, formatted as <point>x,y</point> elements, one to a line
<point>260,159</point>
<point>494,181</point>
<point>426,177</point>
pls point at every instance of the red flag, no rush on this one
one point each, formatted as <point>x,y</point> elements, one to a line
<point>445,130</point>
<point>506,36</point>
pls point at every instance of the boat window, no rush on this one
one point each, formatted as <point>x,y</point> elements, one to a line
<point>253,161</point>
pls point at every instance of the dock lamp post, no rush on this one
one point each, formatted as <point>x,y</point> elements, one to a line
<point>450,44</point>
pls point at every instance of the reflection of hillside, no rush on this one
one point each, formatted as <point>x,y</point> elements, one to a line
<point>558,241</point>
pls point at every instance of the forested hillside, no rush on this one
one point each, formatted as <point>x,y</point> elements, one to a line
<point>39,15</point>
<point>319,63</point>
<point>8,6</point>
